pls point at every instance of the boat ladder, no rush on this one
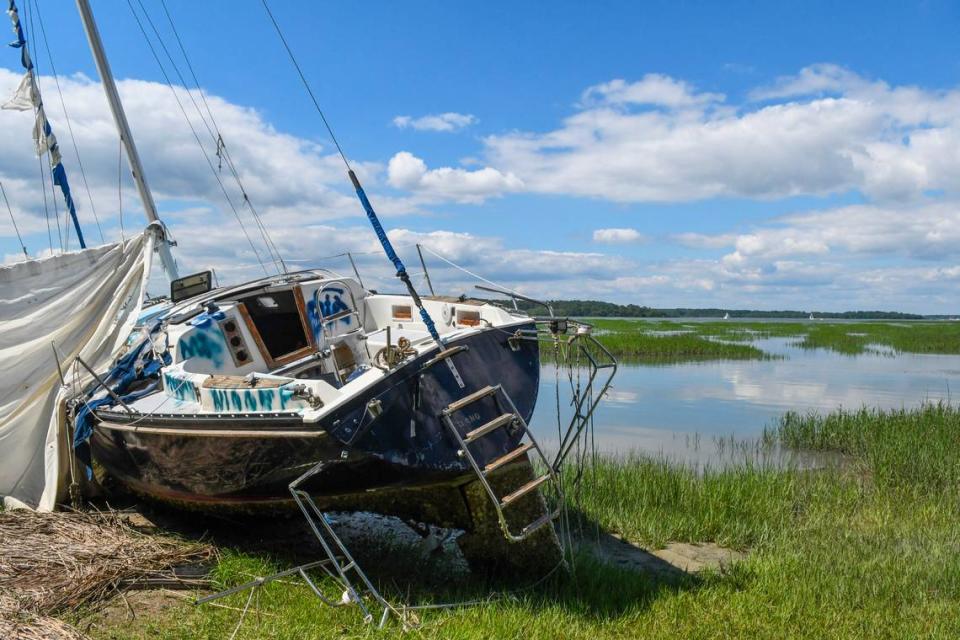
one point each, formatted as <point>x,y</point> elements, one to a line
<point>339,564</point>
<point>509,419</point>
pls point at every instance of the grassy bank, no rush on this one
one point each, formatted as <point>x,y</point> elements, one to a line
<point>710,340</point>
<point>870,548</point>
<point>663,342</point>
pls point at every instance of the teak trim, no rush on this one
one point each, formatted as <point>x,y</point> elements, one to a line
<point>272,362</point>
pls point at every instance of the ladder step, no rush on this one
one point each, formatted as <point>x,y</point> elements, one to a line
<point>524,490</point>
<point>470,399</point>
<point>536,524</point>
<point>510,457</point>
<point>493,425</point>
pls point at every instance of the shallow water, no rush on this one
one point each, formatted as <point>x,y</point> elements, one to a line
<point>709,412</point>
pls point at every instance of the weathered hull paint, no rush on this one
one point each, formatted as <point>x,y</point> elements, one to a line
<point>249,461</point>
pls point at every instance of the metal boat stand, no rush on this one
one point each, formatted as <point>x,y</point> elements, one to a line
<point>338,564</point>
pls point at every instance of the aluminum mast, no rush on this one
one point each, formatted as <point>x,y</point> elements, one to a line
<point>126,137</point>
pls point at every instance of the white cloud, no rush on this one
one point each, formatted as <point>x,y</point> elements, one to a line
<point>406,171</point>
<point>445,122</point>
<point>824,131</point>
<point>617,236</point>
<point>654,89</point>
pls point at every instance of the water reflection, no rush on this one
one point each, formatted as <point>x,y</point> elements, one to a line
<point>691,411</point>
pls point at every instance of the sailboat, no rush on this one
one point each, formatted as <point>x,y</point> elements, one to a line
<point>229,397</point>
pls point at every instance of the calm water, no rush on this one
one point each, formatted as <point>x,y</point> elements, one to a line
<point>692,411</point>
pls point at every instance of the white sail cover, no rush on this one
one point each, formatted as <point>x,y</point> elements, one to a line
<point>86,302</point>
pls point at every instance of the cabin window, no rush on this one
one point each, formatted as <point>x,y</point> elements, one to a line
<point>190,286</point>
<point>277,320</point>
<point>402,312</point>
<point>468,318</point>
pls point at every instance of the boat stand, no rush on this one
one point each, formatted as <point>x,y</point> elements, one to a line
<point>339,564</point>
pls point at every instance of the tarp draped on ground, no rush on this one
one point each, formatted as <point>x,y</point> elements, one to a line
<point>85,302</point>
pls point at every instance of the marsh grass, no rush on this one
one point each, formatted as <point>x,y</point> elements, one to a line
<point>664,342</point>
<point>658,340</point>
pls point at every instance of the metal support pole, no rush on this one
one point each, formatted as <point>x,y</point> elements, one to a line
<point>126,137</point>
<point>103,384</point>
<point>355,271</point>
<point>426,273</point>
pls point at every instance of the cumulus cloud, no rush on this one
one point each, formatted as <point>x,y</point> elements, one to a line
<point>824,131</point>
<point>654,89</point>
<point>445,122</point>
<point>279,171</point>
<point>407,171</point>
<point>617,236</point>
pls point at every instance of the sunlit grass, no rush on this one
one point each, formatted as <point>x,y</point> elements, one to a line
<point>662,339</point>
<point>866,548</point>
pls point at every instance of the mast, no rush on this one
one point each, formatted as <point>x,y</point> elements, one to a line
<point>126,137</point>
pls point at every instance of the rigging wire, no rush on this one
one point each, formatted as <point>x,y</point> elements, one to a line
<point>215,133</point>
<point>197,137</point>
<point>123,236</point>
<point>13,220</point>
<point>66,116</point>
<point>306,84</point>
<point>43,178</point>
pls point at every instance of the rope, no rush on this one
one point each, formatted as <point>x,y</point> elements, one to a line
<point>66,115</point>
<point>13,220</point>
<point>306,84</point>
<point>196,137</point>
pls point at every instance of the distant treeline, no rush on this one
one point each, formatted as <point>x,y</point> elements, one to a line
<point>600,309</point>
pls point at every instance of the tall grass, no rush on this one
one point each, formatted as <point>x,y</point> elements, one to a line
<point>866,549</point>
<point>644,347</point>
<point>850,338</point>
<point>916,446</point>
<point>665,342</point>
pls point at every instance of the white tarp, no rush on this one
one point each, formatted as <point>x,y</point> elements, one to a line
<point>86,302</point>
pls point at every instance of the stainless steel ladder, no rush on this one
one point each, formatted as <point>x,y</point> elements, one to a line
<point>510,418</point>
<point>338,565</point>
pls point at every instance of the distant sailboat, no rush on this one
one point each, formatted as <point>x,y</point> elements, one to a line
<point>811,317</point>
<point>726,316</point>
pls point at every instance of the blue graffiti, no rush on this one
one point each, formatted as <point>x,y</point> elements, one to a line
<point>220,400</point>
<point>266,399</point>
<point>249,399</point>
<point>182,390</point>
<point>330,307</point>
<point>316,324</point>
<point>205,343</point>
<point>286,395</point>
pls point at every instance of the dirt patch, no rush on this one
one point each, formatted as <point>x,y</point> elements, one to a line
<point>132,606</point>
<point>675,561</point>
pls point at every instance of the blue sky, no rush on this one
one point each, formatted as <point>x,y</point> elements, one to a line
<point>672,154</point>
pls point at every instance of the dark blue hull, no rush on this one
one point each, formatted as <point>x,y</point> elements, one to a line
<point>223,462</point>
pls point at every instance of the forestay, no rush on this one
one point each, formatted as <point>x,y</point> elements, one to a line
<point>86,303</point>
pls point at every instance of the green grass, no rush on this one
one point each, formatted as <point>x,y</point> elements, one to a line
<point>646,340</point>
<point>664,342</point>
<point>865,549</point>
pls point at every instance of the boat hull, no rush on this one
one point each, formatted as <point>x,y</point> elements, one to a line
<point>248,462</point>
